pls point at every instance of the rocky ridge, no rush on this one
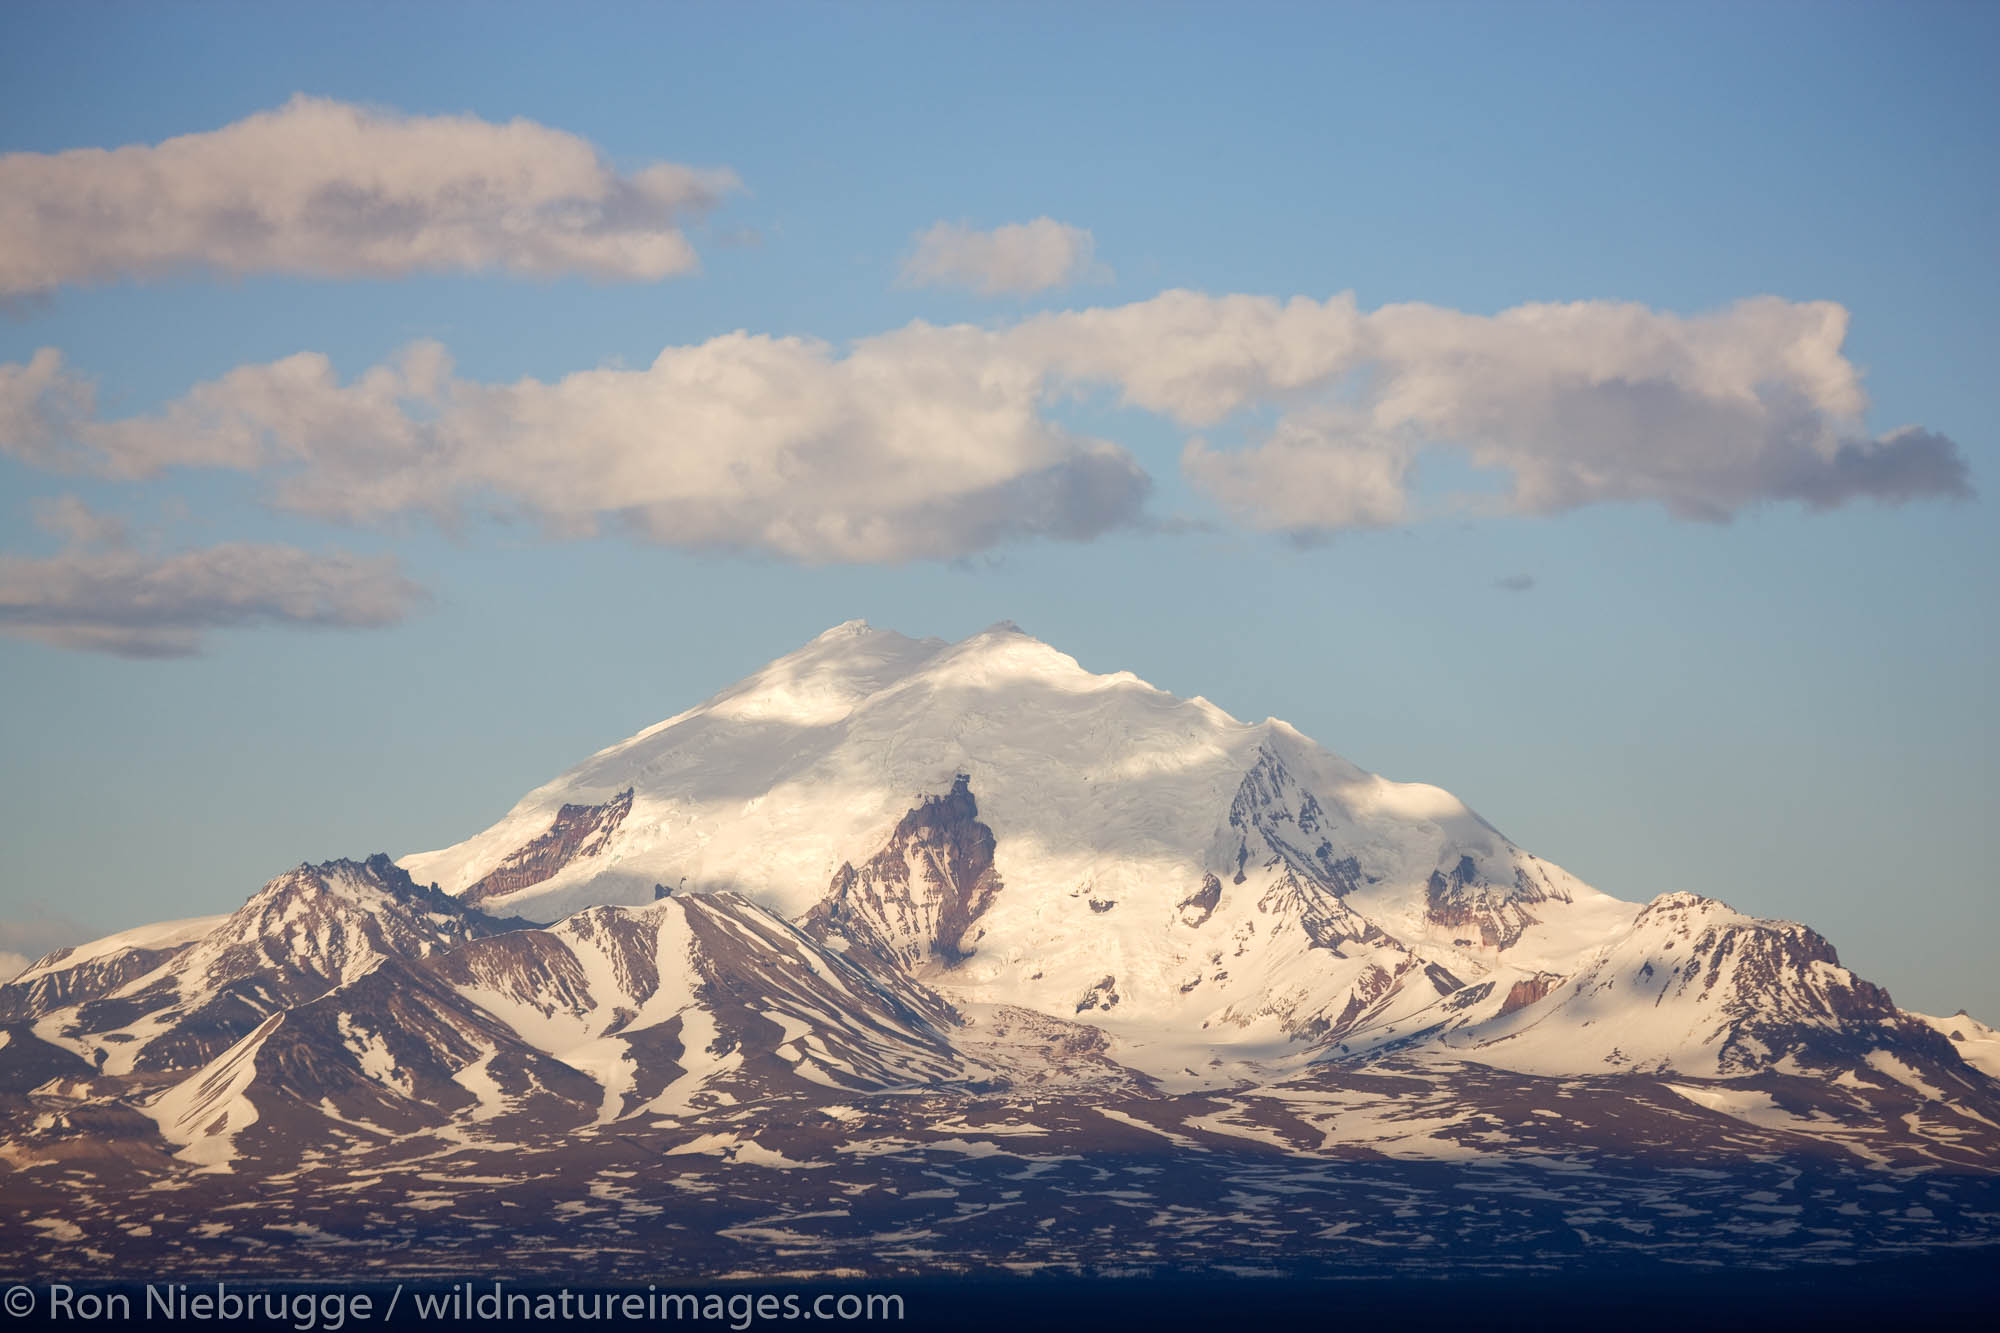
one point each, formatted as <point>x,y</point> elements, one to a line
<point>1034,926</point>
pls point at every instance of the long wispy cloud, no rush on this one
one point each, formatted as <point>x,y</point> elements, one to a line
<point>97,595</point>
<point>328,189</point>
<point>936,442</point>
<point>1017,259</point>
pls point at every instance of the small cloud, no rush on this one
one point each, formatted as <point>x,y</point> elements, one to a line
<point>1017,259</point>
<point>327,189</point>
<point>1515,583</point>
<point>78,524</point>
<point>133,605</point>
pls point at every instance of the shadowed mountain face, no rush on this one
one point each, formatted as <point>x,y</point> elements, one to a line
<point>1122,982</point>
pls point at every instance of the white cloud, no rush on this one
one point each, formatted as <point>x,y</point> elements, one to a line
<point>41,405</point>
<point>136,605</point>
<point>936,442</point>
<point>329,189</point>
<point>1198,358</point>
<point>1583,403</point>
<point>1309,474</point>
<point>250,418</point>
<point>1017,259</point>
<point>926,443</point>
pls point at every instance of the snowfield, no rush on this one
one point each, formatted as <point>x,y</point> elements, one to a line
<point>1109,802</point>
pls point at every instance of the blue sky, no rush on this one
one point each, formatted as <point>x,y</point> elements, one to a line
<point>1791,710</point>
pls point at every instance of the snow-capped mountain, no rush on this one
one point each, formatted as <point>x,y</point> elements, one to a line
<point>171,996</point>
<point>915,906</point>
<point>1145,859</point>
<point>614,1013</point>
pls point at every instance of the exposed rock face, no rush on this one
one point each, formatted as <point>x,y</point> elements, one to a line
<point>150,1010</point>
<point>385,1052</point>
<point>1497,915</point>
<point>1271,807</point>
<point>577,831</point>
<point>1700,988</point>
<point>60,987</point>
<point>1199,906</point>
<point>916,899</point>
<point>701,1055</point>
<point>688,1004</point>
<point>1442,978</point>
<point>1327,921</point>
<point>1775,987</point>
<point>1104,995</point>
<point>1524,993</point>
<point>26,1061</point>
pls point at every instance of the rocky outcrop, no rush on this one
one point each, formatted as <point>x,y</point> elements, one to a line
<point>1528,990</point>
<point>577,831</point>
<point>1271,808</point>
<point>696,1002</point>
<point>149,1011</point>
<point>1776,988</point>
<point>1326,920</point>
<point>1199,906</point>
<point>1700,989</point>
<point>915,900</point>
<point>1103,996</point>
<point>1492,915</point>
<point>51,986</point>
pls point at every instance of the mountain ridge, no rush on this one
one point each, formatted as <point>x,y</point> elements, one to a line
<point>1100,789</point>
<point>969,913</point>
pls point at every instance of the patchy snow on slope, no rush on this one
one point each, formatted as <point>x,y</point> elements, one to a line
<point>206,1111</point>
<point>889,865</point>
<point>1694,986</point>
<point>185,990</point>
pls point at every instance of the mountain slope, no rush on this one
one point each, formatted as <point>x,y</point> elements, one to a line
<point>615,1014</point>
<point>171,997</point>
<point>1699,987</point>
<point>901,951</point>
<point>1117,816</point>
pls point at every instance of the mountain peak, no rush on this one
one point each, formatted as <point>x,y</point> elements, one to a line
<point>974,904</point>
<point>847,629</point>
<point>1110,806</point>
<point>1004,652</point>
<point>822,682</point>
